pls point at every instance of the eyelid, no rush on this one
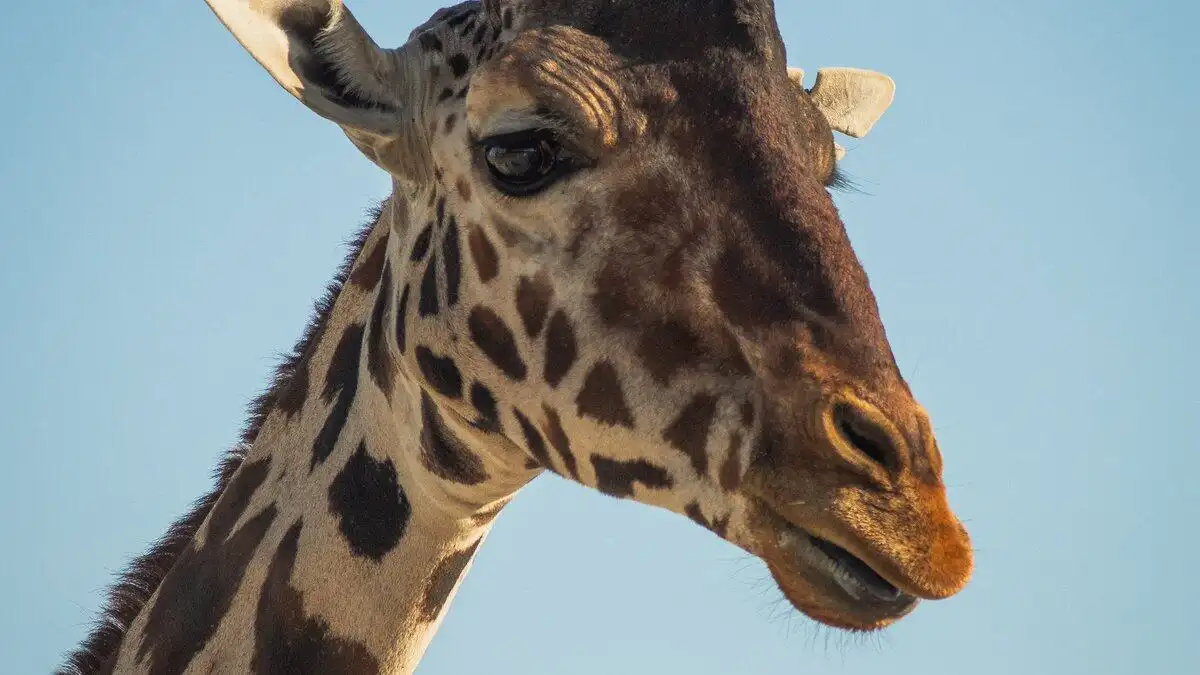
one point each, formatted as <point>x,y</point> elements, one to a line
<point>514,121</point>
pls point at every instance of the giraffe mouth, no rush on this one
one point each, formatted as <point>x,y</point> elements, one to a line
<point>851,573</point>
<point>828,582</point>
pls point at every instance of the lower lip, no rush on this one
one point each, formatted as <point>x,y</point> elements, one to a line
<point>863,585</point>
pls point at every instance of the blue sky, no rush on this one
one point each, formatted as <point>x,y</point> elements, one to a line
<point>168,214</point>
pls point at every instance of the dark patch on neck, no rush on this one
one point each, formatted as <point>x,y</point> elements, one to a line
<point>602,398</point>
<point>561,350</point>
<point>341,382</point>
<point>402,321</point>
<point>496,341</point>
<point>287,640</point>
<point>616,478</point>
<point>452,259</point>
<point>533,439</point>
<point>372,510</point>
<point>485,404</point>
<point>442,453</point>
<point>367,275</point>
<point>379,357</point>
<point>195,596</point>
<point>689,432</point>
<point>430,305</point>
<point>443,580</point>
<point>558,438</point>
<point>294,394</point>
<point>421,245</point>
<point>533,302</point>
<point>440,372</point>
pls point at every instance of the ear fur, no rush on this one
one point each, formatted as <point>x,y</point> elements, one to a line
<point>318,52</point>
<point>852,99</point>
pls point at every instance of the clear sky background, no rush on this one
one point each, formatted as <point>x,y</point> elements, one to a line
<point>167,215</point>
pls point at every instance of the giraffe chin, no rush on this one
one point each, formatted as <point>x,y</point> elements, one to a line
<point>832,586</point>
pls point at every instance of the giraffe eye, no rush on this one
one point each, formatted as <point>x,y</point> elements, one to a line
<point>526,162</point>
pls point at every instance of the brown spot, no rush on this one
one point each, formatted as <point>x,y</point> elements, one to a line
<point>430,42</point>
<point>509,234</point>
<point>731,468</point>
<point>494,339</point>
<point>464,189</point>
<point>744,297</point>
<point>689,433</point>
<point>341,383</point>
<point>558,438</point>
<point>379,357</point>
<point>719,526</point>
<point>617,478</point>
<point>480,33</point>
<point>459,63</point>
<point>421,245</point>
<point>443,580</point>
<point>295,393</point>
<point>561,350</point>
<point>429,304</point>
<point>287,640</point>
<point>487,263</point>
<point>533,302</point>
<point>612,296</point>
<point>666,347</point>
<point>747,414</point>
<point>368,273</point>
<point>602,398</point>
<point>372,509</point>
<point>442,453</point>
<point>451,120</point>
<point>452,259</point>
<point>440,372</point>
<point>537,445</point>
<point>485,404</point>
<point>199,590</point>
<point>402,321</point>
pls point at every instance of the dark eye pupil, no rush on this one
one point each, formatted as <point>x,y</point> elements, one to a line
<point>521,164</point>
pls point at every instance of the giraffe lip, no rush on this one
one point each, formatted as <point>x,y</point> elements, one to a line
<point>853,574</point>
<point>850,573</point>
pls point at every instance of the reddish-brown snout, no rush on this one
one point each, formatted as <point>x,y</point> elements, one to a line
<point>856,526</point>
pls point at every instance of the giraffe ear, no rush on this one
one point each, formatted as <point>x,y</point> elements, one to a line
<point>318,52</point>
<point>851,99</point>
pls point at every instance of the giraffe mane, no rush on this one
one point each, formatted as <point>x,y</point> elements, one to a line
<point>137,583</point>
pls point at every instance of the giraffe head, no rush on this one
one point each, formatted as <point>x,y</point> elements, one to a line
<point>614,255</point>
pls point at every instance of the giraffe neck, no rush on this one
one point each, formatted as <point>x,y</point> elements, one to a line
<point>341,539</point>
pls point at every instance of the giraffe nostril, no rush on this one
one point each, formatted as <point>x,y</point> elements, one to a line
<point>865,435</point>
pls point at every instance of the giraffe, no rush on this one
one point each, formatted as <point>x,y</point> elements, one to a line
<point>609,253</point>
